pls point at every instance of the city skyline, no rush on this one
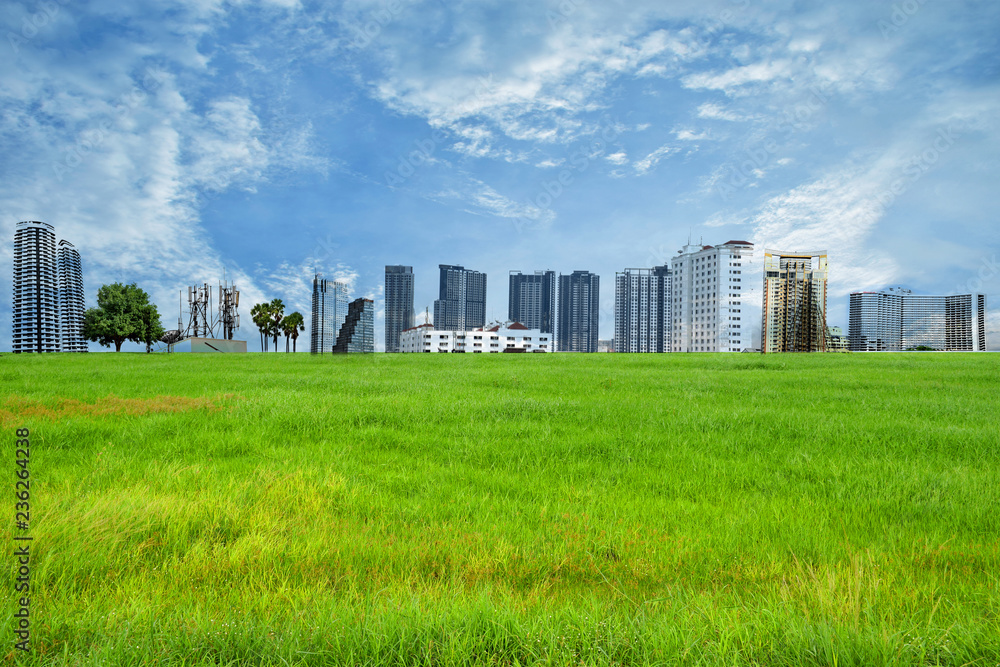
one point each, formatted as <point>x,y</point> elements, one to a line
<point>269,141</point>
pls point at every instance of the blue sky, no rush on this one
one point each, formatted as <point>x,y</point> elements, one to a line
<point>172,141</point>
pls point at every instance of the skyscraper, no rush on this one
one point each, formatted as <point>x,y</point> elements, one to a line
<point>35,322</point>
<point>329,309</point>
<point>532,300</point>
<point>579,312</point>
<point>897,319</point>
<point>707,291</point>
<point>794,317</point>
<point>642,310</point>
<point>357,334</point>
<point>398,304</point>
<point>71,304</point>
<point>461,304</point>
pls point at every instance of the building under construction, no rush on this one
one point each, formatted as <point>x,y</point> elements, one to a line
<point>794,315</point>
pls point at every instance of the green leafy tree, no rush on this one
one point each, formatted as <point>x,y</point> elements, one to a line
<point>291,326</point>
<point>153,329</point>
<point>123,313</point>
<point>276,311</point>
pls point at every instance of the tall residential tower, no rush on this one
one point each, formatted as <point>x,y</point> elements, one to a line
<point>35,325</point>
<point>71,305</point>
<point>794,315</point>
<point>48,303</point>
<point>461,304</point>
<point>532,300</point>
<point>579,312</point>
<point>398,304</point>
<point>642,310</point>
<point>707,292</point>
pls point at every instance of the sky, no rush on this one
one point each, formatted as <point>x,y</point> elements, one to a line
<point>181,141</point>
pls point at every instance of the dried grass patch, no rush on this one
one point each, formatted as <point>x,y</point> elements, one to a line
<point>16,409</point>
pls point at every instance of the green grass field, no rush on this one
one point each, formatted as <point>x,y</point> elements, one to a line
<point>507,510</point>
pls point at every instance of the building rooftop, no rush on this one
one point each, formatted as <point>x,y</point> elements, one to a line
<point>420,326</point>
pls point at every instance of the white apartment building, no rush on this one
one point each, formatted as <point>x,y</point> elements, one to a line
<point>708,284</point>
<point>515,338</point>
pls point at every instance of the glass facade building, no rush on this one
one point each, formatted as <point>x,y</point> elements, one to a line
<point>642,310</point>
<point>399,314</point>
<point>329,310</point>
<point>357,335</point>
<point>896,320</point>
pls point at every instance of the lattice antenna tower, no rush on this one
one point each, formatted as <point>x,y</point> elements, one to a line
<point>199,306</point>
<point>229,302</point>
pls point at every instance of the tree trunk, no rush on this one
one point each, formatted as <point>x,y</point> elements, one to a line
<point>118,344</point>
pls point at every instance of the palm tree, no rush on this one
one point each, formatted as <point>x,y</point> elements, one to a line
<point>276,310</point>
<point>261,316</point>
<point>291,326</point>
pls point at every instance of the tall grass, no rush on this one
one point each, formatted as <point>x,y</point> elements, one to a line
<point>458,509</point>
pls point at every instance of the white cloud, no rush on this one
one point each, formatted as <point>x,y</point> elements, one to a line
<point>732,80</point>
<point>690,135</point>
<point>645,164</point>
<point>714,111</point>
<point>618,158</point>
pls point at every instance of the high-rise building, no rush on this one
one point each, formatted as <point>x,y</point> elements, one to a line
<point>642,310</point>
<point>357,334</point>
<point>461,304</point>
<point>329,309</point>
<point>532,300</point>
<point>706,298</point>
<point>398,304</point>
<point>579,312</point>
<point>71,303</point>
<point>876,321</point>
<point>794,316</point>
<point>35,322</point>
<point>836,341</point>
<point>895,320</point>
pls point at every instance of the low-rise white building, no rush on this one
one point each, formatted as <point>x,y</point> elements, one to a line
<point>514,338</point>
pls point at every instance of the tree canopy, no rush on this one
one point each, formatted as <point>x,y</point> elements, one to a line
<point>123,313</point>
